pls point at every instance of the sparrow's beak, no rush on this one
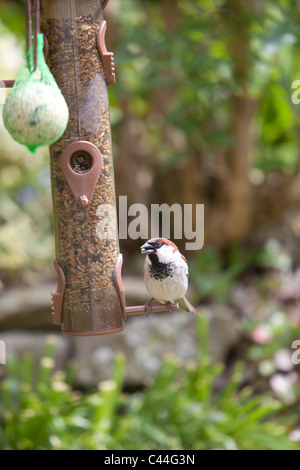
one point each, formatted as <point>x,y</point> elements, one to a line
<point>147,248</point>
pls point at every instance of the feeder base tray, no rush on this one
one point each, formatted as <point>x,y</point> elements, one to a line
<point>93,332</point>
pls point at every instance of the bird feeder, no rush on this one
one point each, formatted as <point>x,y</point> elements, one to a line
<point>90,298</point>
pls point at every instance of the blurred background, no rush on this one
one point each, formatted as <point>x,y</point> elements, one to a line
<point>201,112</point>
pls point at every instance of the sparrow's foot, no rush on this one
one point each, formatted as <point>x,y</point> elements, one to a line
<point>147,307</point>
<point>169,304</point>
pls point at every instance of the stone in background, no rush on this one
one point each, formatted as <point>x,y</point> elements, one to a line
<point>25,324</point>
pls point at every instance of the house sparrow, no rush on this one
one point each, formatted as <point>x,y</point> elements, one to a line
<point>165,272</point>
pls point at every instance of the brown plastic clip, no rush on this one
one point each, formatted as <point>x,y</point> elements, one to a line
<point>137,309</point>
<point>81,163</point>
<point>58,296</point>
<point>107,57</point>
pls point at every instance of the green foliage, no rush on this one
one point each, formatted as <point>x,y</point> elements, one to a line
<point>213,280</point>
<point>39,410</point>
<point>192,55</point>
<point>12,15</point>
<point>180,409</point>
<point>214,277</point>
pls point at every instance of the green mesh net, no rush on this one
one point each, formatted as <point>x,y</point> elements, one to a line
<point>35,112</point>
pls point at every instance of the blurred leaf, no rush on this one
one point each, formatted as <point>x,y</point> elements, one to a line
<point>179,410</point>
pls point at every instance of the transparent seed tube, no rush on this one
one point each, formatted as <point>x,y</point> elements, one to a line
<point>83,192</point>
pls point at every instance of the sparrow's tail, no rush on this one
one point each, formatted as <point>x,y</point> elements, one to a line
<point>189,306</point>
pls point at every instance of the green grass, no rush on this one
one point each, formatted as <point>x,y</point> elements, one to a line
<point>181,409</point>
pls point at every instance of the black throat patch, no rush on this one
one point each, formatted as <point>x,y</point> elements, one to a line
<point>159,270</point>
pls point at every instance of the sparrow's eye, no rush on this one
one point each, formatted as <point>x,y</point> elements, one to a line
<point>157,245</point>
